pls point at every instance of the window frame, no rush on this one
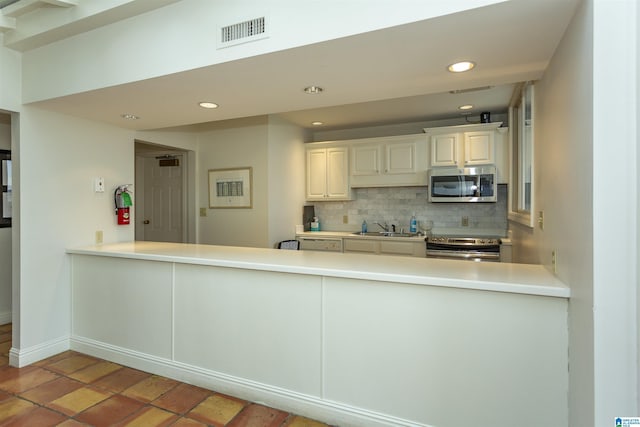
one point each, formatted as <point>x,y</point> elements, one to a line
<point>522,138</point>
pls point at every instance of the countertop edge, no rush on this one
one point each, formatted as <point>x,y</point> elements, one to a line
<point>317,264</point>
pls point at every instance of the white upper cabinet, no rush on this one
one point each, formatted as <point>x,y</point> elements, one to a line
<point>328,174</point>
<point>400,158</point>
<point>444,149</point>
<point>389,161</point>
<point>479,148</point>
<point>470,145</point>
<point>366,160</point>
<point>397,159</point>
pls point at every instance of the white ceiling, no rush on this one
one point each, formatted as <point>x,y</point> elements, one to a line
<point>393,75</point>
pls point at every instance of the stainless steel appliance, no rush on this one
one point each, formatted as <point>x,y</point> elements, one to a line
<point>463,185</point>
<point>463,248</point>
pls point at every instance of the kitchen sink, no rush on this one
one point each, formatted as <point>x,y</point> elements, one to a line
<point>385,234</point>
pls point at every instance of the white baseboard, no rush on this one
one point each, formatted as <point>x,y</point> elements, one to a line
<point>5,317</point>
<point>26,356</point>
<point>334,413</point>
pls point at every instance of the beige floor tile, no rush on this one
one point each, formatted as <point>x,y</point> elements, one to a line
<point>5,347</point>
<point>93,372</point>
<point>14,407</point>
<point>27,379</point>
<point>71,364</point>
<point>217,410</point>
<point>188,422</point>
<point>298,421</point>
<point>150,388</point>
<point>79,400</point>
<point>71,423</point>
<point>150,417</point>
<point>52,390</point>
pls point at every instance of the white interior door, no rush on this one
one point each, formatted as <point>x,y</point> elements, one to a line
<point>163,199</point>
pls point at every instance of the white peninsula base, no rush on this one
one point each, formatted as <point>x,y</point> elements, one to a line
<point>384,347</point>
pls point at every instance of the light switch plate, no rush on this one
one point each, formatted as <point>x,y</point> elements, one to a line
<point>98,184</point>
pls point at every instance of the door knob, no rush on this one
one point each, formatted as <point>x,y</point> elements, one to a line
<point>146,221</point>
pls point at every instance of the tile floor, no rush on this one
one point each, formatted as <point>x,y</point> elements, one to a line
<point>73,389</point>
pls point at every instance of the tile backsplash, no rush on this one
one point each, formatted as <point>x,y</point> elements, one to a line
<point>396,205</point>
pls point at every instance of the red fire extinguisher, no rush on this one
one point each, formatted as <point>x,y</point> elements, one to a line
<point>123,202</point>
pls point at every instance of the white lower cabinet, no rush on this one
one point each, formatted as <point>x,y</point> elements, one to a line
<point>361,245</point>
<point>385,246</point>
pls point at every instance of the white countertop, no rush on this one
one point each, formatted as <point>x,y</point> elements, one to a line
<point>488,276</point>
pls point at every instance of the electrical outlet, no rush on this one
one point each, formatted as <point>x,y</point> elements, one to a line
<point>98,237</point>
<point>345,219</point>
<point>554,260</point>
<point>203,211</point>
<point>465,221</point>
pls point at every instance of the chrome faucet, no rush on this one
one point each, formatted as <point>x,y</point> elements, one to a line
<point>385,227</point>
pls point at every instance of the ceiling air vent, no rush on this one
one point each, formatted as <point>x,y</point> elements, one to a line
<point>243,32</point>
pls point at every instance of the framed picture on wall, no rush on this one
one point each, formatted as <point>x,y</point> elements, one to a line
<point>231,188</point>
<point>6,211</point>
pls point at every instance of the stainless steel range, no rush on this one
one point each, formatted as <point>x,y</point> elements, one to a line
<point>464,248</point>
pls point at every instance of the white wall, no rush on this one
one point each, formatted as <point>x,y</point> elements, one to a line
<point>242,145</point>
<point>638,205</point>
<point>585,117</point>
<point>286,178</point>
<point>564,163</point>
<point>60,156</point>
<point>615,253</point>
<point>10,78</point>
<point>5,245</point>
<point>274,148</point>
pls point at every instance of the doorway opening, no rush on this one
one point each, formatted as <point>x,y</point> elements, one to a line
<point>6,239</point>
<point>162,193</point>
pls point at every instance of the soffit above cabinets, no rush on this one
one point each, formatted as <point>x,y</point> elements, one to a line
<point>391,75</point>
<point>28,24</point>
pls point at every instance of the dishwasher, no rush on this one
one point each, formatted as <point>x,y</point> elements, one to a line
<point>320,244</point>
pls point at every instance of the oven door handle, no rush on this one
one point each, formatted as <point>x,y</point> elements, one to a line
<point>464,254</point>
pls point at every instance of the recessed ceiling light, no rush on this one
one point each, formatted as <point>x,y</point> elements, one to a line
<point>313,89</point>
<point>127,116</point>
<point>465,107</point>
<point>208,105</point>
<point>460,67</point>
<point>317,123</point>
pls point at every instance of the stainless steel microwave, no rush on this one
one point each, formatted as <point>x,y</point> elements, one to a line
<point>463,185</point>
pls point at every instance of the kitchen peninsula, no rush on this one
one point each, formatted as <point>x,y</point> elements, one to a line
<point>347,338</point>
